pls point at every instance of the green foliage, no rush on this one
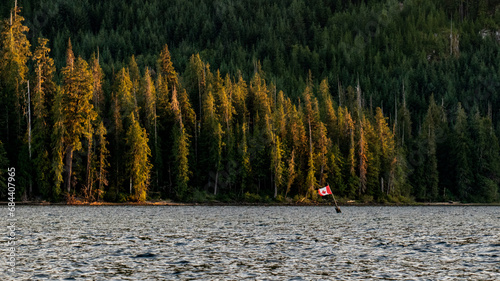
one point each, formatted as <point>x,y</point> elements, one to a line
<point>462,153</point>
<point>57,144</point>
<point>43,100</point>
<point>138,155</point>
<point>76,107</point>
<point>252,198</point>
<point>102,164</point>
<point>180,151</point>
<point>387,139</point>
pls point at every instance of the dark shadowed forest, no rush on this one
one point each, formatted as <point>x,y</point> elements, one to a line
<point>254,101</point>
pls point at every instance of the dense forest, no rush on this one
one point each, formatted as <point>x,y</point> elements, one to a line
<point>384,100</point>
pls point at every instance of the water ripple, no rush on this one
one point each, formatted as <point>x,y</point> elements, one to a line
<point>264,243</point>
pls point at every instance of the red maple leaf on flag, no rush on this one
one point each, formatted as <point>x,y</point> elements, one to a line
<point>324,191</point>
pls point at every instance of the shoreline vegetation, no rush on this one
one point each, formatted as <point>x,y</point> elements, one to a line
<point>342,203</point>
<point>237,204</point>
<point>385,101</point>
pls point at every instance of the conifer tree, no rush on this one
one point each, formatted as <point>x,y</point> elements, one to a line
<point>194,77</point>
<point>388,151</point>
<point>125,97</point>
<point>362,140</point>
<point>15,99</point>
<point>353,180</point>
<point>135,78</point>
<point>279,116</point>
<point>123,107</point>
<point>363,159</point>
<point>167,70</point>
<point>486,161</point>
<point>98,98</point>
<point>427,172</point>
<point>43,98</point>
<point>244,158</point>
<point>14,55</point>
<point>138,154</point>
<point>322,146</point>
<point>277,164</point>
<point>462,153</point>
<point>291,173</point>
<point>77,108</point>
<point>57,138</point>
<point>151,123</point>
<point>164,133</point>
<point>298,142</point>
<point>102,160</point>
<point>180,152</point>
<point>376,181</point>
<point>335,160</point>
<point>311,121</point>
<point>213,134</point>
<point>403,130</point>
<point>180,149</point>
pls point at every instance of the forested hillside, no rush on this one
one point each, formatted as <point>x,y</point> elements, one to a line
<point>251,100</point>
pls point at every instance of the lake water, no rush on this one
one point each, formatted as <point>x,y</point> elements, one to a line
<point>255,243</point>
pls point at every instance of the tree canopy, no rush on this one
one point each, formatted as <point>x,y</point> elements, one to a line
<point>227,100</point>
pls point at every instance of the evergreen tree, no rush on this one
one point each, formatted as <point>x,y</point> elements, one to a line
<point>244,154</point>
<point>167,70</point>
<point>277,165</point>
<point>14,55</point>
<point>43,99</point>
<point>77,108</point>
<point>403,127</point>
<point>151,123</point>
<point>138,154</point>
<point>291,173</point>
<point>462,153</point>
<point>363,160</point>
<point>363,152</point>
<point>123,107</point>
<point>311,120</point>
<point>57,138</point>
<point>14,99</point>
<point>388,157</point>
<point>102,160</point>
<point>323,145</point>
<point>98,98</point>
<point>195,82</point>
<point>486,162</point>
<point>213,135</point>
<point>135,78</point>
<point>180,149</point>
<point>427,173</point>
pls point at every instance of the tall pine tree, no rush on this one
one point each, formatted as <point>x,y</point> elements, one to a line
<point>77,108</point>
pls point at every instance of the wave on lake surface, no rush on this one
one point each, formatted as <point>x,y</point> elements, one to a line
<point>271,243</point>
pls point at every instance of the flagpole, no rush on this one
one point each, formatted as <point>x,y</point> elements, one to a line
<point>337,209</point>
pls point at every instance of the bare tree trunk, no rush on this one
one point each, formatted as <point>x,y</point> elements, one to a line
<point>69,165</point>
<point>382,184</point>
<point>275,189</point>
<point>196,140</point>
<point>89,156</point>
<point>100,184</point>
<point>216,178</point>
<point>29,133</point>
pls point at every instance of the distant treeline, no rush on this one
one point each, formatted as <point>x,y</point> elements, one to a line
<point>278,118</point>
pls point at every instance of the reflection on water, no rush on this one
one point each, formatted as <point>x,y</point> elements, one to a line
<point>271,243</point>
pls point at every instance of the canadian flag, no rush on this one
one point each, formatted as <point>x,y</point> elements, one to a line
<point>324,191</point>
